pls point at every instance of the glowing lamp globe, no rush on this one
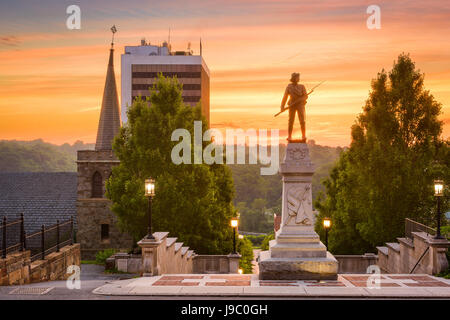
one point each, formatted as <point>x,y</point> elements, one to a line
<point>149,187</point>
<point>438,188</point>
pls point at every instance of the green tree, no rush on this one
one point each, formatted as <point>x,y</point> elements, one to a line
<point>245,248</point>
<point>254,218</point>
<point>192,202</point>
<point>34,156</point>
<point>388,171</point>
<point>266,240</point>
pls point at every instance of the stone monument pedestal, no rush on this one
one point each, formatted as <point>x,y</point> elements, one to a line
<point>297,253</point>
<point>150,262</point>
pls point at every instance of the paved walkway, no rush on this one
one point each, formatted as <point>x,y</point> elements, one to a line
<point>355,286</point>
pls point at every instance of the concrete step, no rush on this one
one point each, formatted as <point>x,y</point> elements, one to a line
<point>383,250</point>
<point>170,241</point>
<point>406,241</point>
<point>393,245</point>
<point>178,246</point>
<point>160,235</point>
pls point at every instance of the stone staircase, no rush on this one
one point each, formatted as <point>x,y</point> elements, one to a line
<point>165,255</point>
<point>422,254</point>
<point>172,257</point>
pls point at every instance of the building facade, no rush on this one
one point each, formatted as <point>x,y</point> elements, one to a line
<point>97,224</point>
<point>141,65</point>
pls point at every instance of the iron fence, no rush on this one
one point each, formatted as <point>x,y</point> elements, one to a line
<point>40,243</point>
<point>11,241</point>
<point>414,226</point>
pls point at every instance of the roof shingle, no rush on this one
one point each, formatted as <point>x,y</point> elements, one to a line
<point>43,197</point>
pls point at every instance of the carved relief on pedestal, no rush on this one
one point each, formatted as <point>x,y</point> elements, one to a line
<point>299,205</point>
<point>297,153</point>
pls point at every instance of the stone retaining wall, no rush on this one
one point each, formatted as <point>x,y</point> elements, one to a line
<point>18,269</point>
<point>216,263</point>
<point>125,262</point>
<point>355,263</point>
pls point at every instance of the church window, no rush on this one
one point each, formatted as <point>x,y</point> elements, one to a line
<point>105,232</point>
<point>97,185</point>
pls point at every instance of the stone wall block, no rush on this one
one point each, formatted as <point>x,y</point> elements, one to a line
<point>15,276</point>
<point>18,268</point>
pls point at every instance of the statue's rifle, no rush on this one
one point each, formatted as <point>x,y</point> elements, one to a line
<point>295,102</point>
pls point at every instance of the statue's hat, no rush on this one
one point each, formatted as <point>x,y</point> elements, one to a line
<point>295,75</point>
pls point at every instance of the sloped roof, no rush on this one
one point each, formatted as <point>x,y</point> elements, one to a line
<point>43,197</point>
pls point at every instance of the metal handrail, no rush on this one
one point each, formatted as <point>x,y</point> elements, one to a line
<point>418,261</point>
<point>414,226</point>
<point>12,223</point>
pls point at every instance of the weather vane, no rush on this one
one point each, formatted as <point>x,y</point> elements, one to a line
<point>113,30</point>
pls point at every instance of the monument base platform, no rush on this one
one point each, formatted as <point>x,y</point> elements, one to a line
<point>297,268</point>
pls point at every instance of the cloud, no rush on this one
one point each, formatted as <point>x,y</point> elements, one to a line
<point>10,41</point>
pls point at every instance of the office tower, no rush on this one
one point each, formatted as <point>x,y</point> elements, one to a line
<point>141,65</point>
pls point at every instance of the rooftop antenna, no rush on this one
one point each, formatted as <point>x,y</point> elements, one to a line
<point>113,30</point>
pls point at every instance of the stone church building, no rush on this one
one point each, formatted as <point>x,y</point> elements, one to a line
<point>46,197</point>
<point>97,228</point>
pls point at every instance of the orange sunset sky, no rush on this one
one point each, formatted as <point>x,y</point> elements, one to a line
<point>52,78</point>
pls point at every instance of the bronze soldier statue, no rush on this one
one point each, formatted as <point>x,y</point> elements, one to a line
<point>298,96</point>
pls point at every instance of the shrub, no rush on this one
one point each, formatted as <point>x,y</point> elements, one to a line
<point>446,274</point>
<point>445,231</point>
<point>265,242</point>
<point>101,256</point>
<point>245,248</point>
<point>256,240</point>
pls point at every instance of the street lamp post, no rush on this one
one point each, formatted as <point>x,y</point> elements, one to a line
<point>326,226</point>
<point>438,193</point>
<point>234,225</point>
<point>149,193</point>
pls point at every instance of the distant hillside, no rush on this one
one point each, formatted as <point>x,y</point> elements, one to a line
<point>250,185</point>
<point>37,155</point>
